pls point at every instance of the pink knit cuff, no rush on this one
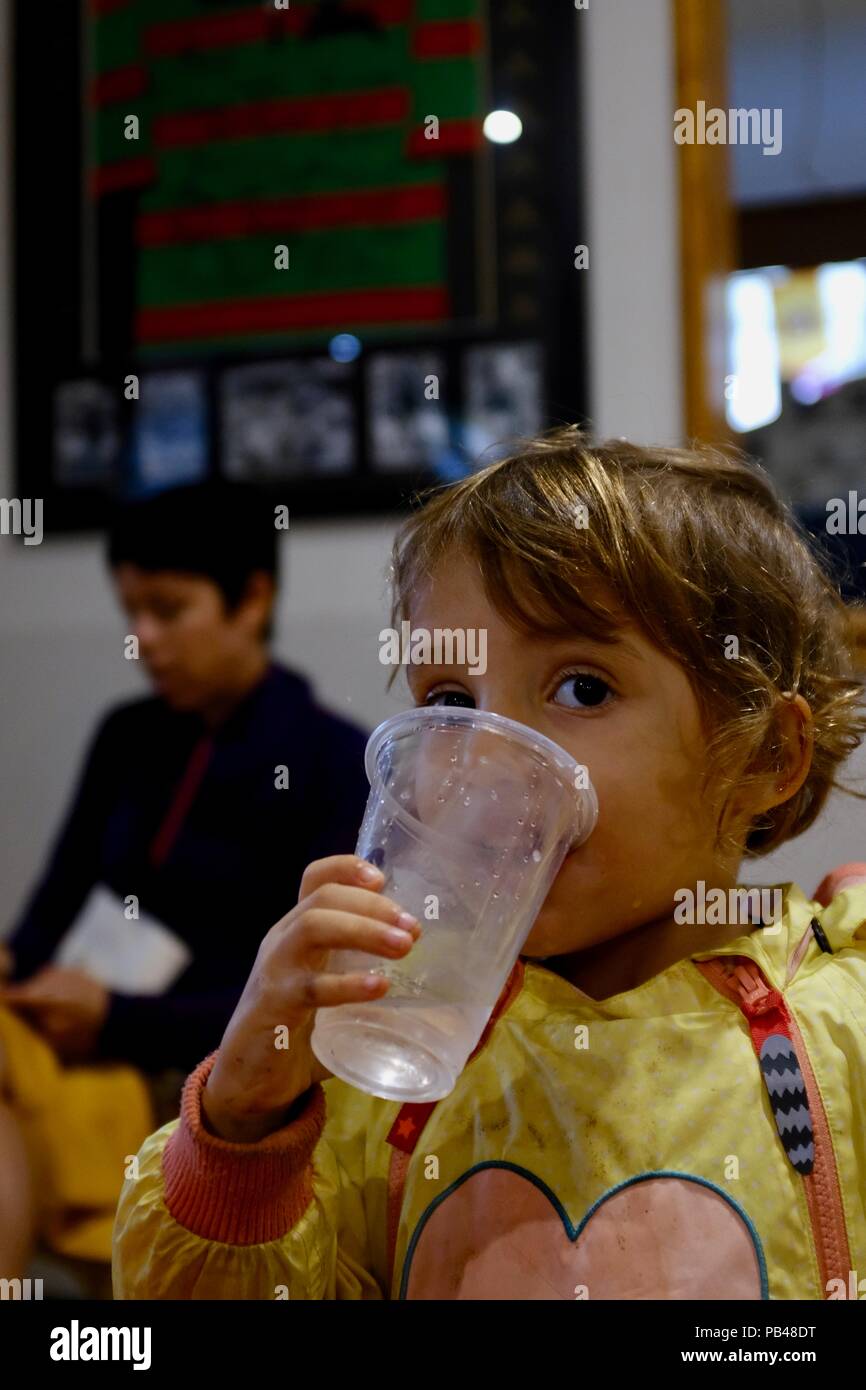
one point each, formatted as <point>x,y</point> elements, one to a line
<point>240,1194</point>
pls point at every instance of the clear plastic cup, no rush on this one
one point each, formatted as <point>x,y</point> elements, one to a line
<point>470,817</point>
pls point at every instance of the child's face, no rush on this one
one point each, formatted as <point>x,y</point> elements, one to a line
<point>626,711</point>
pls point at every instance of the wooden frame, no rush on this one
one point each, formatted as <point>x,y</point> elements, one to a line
<point>706,218</point>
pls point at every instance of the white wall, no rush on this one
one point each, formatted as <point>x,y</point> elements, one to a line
<point>60,636</point>
<point>631,197</point>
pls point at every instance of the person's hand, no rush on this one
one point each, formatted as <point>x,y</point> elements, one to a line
<point>254,1081</point>
<point>7,961</point>
<point>67,1007</point>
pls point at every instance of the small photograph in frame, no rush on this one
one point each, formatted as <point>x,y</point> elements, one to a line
<point>504,395</point>
<point>170,440</point>
<point>406,395</point>
<point>86,434</point>
<point>288,419</point>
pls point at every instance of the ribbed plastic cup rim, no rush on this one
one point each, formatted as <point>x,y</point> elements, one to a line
<point>585,797</point>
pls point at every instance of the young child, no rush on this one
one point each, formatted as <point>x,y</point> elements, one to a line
<point>665,1104</point>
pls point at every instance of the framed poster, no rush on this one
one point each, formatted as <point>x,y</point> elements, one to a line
<point>287,419</point>
<point>262,232</point>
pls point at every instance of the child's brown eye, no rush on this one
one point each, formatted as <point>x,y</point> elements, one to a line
<point>582,691</point>
<point>450,697</point>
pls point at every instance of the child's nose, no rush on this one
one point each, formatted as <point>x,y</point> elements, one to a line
<point>503,703</point>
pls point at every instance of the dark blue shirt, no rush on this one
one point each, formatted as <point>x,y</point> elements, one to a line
<point>223,873</point>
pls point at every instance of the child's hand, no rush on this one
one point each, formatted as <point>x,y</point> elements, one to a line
<point>253,1083</point>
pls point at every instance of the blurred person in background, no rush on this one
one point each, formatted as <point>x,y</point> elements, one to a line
<point>194,817</point>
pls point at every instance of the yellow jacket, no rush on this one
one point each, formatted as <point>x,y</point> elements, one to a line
<point>80,1125</point>
<point>701,1136</point>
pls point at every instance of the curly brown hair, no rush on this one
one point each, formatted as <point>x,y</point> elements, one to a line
<point>697,548</point>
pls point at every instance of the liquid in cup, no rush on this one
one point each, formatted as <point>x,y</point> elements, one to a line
<point>470,816</point>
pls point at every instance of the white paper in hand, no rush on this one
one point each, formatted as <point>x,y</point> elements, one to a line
<point>141,956</point>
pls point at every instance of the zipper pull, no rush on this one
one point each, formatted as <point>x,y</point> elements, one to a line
<point>753,991</point>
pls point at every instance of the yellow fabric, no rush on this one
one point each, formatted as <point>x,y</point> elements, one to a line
<point>80,1126</point>
<point>669,1082</point>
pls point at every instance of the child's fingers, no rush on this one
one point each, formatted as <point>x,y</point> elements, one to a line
<point>340,868</point>
<point>330,930</point>
<point>337,897</point>
<point>323,991</point>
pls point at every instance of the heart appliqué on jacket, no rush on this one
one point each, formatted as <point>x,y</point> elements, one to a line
<point>499,1232</point>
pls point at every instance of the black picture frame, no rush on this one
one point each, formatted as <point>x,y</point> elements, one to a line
<point>538,222</point>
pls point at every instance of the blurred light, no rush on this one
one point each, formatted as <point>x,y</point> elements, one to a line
<point>842,287</point>
<point>344,347</point>
<point>756,395</point>
<point>807,388</point>
<point>503,127</point>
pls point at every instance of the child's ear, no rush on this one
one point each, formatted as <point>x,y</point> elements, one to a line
<point>793,737</point>
<point>796,735</point>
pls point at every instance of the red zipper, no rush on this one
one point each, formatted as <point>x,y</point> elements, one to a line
<point>739,979</point>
